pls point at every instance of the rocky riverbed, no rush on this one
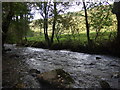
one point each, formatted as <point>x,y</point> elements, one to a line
<point>88,71</point>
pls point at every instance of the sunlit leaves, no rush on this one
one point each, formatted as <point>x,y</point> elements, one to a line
<point>100,17</point>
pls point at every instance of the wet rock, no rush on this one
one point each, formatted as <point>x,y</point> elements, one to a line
<point>92,64</point>
<point>20,85</point>
<point>34,71</point>
<point>27,82</point>
<point>104,84</point>
<point>116,75</point>
<point>98,57</point>
<point>114,65</point>
<point>89,64</point>
<point>74,58</point>
<point>8,49</point>
<point>14,55</point>
<point>57,78</point>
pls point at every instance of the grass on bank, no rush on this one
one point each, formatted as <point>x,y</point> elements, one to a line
<point>82,38</point>
<point>105,44</point>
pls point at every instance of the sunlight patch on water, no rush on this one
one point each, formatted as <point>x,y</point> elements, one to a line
<point>35,49</point>
<point>64,51</point>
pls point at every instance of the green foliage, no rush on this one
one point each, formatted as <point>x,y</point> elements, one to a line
<point>101,17</point>
<point>19,25</point>
<point>36,38</point>
<point>69,27</point>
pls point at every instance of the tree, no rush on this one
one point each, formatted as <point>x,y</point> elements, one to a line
<point>38,23</point>
<point>87,24</point>
<point>43,8</point>
<point>54,22</point>
<point>19,19</point>
<point>116,10</point>
<point>56,17</point>
<point>49,11</point>
<point>100,17</point>
<point>8,14</point>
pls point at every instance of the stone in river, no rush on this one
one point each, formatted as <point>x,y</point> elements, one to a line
<point>14,55</point>
<point>34,71</point>
<point>116,75</point>
<point>20,85</point>
<point>104,84</point>
<point>92,64</point>
<point>8,49</point>
<point>57,78</point>
<point>98,57</point>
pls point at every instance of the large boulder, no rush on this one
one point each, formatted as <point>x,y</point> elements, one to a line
<point>57,78</point>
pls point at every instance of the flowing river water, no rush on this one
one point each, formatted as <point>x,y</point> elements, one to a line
<point>86,69</point>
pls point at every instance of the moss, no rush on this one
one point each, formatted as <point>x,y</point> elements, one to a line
<point>65,75</point>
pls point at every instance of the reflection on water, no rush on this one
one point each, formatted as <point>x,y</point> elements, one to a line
<point>85,69</point>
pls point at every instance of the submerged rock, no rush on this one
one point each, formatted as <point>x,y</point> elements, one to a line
<point>57,78</point>
<point>14,55</point>
<point>92,64</point>
<point>8,49</point>
<point>34,71</point>
<point>104,84</point>
<point>116,75</point>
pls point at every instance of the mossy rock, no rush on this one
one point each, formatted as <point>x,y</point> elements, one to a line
<point>20,85</point>
<point>104,84</point>
<point>58,78</point>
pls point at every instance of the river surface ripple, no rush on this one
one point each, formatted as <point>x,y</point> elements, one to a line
<point>85,69</point>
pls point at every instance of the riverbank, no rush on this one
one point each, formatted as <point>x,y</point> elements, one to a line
<point>106,48</point>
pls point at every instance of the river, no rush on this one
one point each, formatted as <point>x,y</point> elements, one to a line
<point>86,69</point>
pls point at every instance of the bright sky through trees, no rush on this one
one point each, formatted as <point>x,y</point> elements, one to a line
<point>73,8</point>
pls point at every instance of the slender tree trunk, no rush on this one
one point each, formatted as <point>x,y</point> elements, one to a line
<point>17,26</point>
<point>118,27</point>
<point>21,28</point>
<point>54,22</point>
<point>46,23</point>
<point>87,25</point>
<point>46,30</point>
<point>25,27</point>
<point>5,24</point>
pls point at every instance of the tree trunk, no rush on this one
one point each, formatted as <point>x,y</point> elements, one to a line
<point>46,23</point>
<point>21,28</point>
<point>54,22</point>
<point>87,25</point>
<point>118,27</point>
<point>6,23</point>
